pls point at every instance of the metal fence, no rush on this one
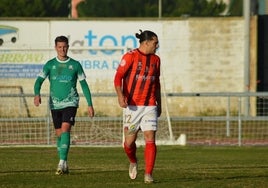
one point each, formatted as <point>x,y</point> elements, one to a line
<point>197,118</point>
<point>221,118</point>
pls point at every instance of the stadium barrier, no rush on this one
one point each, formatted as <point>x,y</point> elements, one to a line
<point>188,119</point>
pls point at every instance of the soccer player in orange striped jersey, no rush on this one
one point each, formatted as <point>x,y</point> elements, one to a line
<point>137,85</point>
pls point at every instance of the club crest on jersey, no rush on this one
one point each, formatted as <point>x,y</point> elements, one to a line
<point>71,67</point>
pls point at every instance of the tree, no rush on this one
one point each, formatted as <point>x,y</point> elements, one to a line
<point>149,8</point>
<point>118,8</point>
<point>236,8</point>
<point>34,8</point>
<point>111,8</point>
<point>195,8</point>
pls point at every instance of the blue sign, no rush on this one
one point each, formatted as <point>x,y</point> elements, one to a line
<point>8,33</point>
<point>20,70</point>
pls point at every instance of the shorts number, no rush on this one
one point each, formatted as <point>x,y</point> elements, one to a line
<point>127,118</point>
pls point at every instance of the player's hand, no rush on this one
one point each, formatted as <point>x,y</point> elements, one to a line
<point>122,102</point>
<point>91,112</point>
<point>37,100</point>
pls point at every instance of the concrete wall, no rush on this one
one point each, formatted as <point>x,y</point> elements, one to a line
<point>198,54</point>
<point>203,55</point>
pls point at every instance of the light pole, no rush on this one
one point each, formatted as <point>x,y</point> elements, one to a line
<point>159,8</point>
<point>246,14</point>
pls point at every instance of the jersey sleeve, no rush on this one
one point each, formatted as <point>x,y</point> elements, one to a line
<point>80,73</point>
<point>40,79</point>
<point>45,71</point>
<point>37,85</point>
<point>123,68</point>
<point>86,92</point>
<point>84,85</point>
<point>158,74</point>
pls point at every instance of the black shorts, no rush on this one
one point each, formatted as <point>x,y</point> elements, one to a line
<point>63,115</point>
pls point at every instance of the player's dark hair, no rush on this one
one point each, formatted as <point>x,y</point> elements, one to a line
<point>61,39</point>
<point>145,35</point>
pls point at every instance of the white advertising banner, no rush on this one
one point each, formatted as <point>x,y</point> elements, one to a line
<point>97,45</point>
<point>100,63</point>
<point>193,52</point>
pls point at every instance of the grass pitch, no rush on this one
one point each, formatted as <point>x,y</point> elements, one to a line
<point>100,167</point>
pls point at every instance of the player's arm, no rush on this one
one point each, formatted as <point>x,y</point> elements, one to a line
<point>121,98</point>
<point>85,88</point>
<point>118,89</point>
<point>37,88</point>
<point>158,93</point>
<point>158,100</point>
<point>38,83</point>
<point>122,69</point>
<point>87,94</point>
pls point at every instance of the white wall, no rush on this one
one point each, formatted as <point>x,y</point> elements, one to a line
<point>198,54</point>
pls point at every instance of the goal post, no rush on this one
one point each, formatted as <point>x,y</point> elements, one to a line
<point>9,93</point>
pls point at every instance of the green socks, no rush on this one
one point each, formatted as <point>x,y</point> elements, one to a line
<point>64,145</point>
<point>58,145</point>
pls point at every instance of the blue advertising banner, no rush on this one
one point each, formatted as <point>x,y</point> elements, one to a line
<point>20,70</point>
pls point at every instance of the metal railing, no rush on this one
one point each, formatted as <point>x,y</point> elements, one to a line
<point>205,118</point>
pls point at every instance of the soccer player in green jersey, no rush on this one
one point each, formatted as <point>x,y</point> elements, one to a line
<point>63,73</point>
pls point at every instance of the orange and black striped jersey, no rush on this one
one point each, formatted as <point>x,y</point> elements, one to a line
<point>139,74</point>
